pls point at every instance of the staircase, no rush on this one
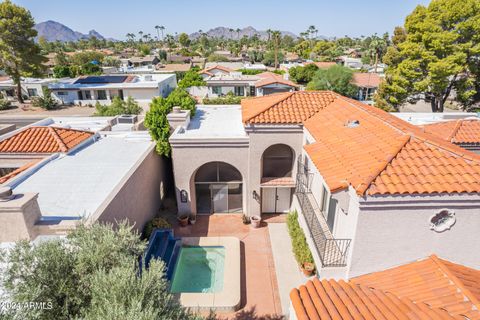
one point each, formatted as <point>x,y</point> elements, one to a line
<point>163,245</point>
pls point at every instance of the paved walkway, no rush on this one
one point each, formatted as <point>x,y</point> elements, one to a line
<point>289,275</point>
<point>260,297</point>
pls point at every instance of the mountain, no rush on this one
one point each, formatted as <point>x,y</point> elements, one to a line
<point>53,31</point>
<point>223,32</point>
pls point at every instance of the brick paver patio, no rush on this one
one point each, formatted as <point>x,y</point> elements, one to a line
<point>260,297</point>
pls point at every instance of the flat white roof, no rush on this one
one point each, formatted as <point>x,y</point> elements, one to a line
<point>140,81</point>
<point>93,124</point>
<point>77,184</point>
<point>421,118</point>
<point>219,121</point>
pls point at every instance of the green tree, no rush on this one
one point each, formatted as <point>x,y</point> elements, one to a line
<point>79,275</point>
<point>19,54</point>
<point>46,101</point>
<point>439,53</point>
<point>118,107</point>
<point>183,39</point>
<point>156,117</point>
<point>191,79</point>
<point>81,58</point>
<point>303,75</point>
<point>336,78</point>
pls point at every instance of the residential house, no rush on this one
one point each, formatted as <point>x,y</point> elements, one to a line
<point>353,63</point>
<point>372,190</point>
<point>90,89</point>
<point>367,84</point>
<point>233,66</point>
<point>54,177</point>
<point>143,61</point>
<point>430,288</point>
<point>31,87</point>
<point>221,81</point>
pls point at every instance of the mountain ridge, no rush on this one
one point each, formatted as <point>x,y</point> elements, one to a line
<point>53,31</point>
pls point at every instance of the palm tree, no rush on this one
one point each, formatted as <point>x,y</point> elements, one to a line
<point>238,33</point>
<point>269,34</point>
<point>140,33</point>
<point>276,36</point>
<point>162,29</point>
<point>157,27</point>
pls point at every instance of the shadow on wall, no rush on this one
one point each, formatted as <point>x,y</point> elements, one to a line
<point>251,314</point>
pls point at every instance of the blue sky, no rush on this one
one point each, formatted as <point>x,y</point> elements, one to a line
<point>331,17</point>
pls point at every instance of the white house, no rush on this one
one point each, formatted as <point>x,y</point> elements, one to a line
<point>31,87</point>
<point>90,89</point>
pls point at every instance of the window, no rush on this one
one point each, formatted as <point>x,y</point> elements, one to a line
<point>61,93</point>
<point>442,220</point>
<point>32,92</point>
<point>277,161</point>
<point>101,95</point>
<point>217,90</point>
<point>324,203</point>
<point>239,91</point>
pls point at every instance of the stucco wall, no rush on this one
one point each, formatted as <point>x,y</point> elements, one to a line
<point>137,198</point>
<point>186,161</point>
<point>386,237</point>
<point>260,140</point>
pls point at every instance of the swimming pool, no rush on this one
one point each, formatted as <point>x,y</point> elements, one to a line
<point>199,269</point>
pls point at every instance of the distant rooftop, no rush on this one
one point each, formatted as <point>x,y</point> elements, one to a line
<point>215,122</point>
<point>77,184</point>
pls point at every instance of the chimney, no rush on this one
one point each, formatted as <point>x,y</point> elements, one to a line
<point>178,118</point>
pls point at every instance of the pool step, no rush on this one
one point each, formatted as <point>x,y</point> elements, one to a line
<point>171,262</point>
<point>163,245</point>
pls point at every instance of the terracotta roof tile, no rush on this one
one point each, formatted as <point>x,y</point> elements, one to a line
<point>366,79</point>
<point>463,131</point>
<point>268,78</point>
<point>43,140</point>
<point>17,171</point>
<point>419,290</point>
<point>219,67</point>
<point>284,182</point>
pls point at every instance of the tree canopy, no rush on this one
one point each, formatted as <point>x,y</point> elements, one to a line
<point>437,53</point>
<point>87,276</point>
<point>20,56</point>
<point>303,75</point>
<point>336,78</point>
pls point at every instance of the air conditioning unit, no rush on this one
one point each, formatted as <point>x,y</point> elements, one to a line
<point>127,118</point>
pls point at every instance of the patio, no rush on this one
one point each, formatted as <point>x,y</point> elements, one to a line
<point>259,289</point>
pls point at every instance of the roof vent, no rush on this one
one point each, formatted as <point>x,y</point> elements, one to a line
<point>6,193</point>
<point>352,124</point>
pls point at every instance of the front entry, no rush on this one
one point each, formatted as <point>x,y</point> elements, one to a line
<point>219,197</point>
<point>276,200</point>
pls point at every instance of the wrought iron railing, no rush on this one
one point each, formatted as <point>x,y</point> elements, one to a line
<point>332,252</point>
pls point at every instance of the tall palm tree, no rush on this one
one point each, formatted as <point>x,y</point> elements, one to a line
<point>162,29</point>
<point>238,33</point>
<point>276,36</point>
<point>140,33</point>
<point>157,27</point>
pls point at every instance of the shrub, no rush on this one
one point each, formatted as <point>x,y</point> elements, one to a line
<point>336,78</point>
<point>4,104</point>
<point>250,72</point>
<point>118,107</point>
<point>303,74</point>
<point>299,242</point>
<point>230,98</point>
<point>47,102</point>
<point>156,223</point>
<point>191,78</point>
<point>215,57</point>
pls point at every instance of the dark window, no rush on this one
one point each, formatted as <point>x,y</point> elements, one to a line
<point>102,95</point>
<point>239,91</point>
<point>217,172</point>
<point>278,161</point>
<point>32,92</point>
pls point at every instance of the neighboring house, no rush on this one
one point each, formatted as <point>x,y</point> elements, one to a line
<point>372,191</point>
<point>221,81</point>
<point>353,63</point>
<point>367,84</point>
<point>228,65</point>
<point>143,61</point>
<point>431,288</point>
<point>463,132</point>
<point>61,177</point>
<point>90,89</point>
<point>322,64</point>
<point>31,87</point>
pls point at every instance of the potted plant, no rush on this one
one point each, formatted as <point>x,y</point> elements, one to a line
<point>308,268</point>
<point>245,219</point>
<point>193,219</point>
<point>256,221</point>
<point>183,220</point>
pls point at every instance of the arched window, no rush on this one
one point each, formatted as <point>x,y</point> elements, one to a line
<point>277,161</point>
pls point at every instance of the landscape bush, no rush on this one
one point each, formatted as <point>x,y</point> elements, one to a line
<point>299,242</point>
<point>230,98</point>
<point>250,72</point>
<point>118,107</point>
<point>156,223</point>
<point>4,104</point>
<point>47,101</point>
<point>191,78</point>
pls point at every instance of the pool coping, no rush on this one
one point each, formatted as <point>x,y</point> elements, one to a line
<point>229,298</point>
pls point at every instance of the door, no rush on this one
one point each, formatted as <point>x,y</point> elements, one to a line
<point>220,198</point>
<point>276,200</point>
<point>283,200</point>
<point>268,200</point>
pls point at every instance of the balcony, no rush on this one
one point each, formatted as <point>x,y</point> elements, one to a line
<point>332,252</point>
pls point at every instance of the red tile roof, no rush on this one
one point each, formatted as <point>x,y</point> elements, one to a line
<point>268,78</point>
<point>219,67</point>
<point>43,140</point>
<point>382,155</point>
<point>463,131</point>
<point>426,289</point>
<point>278,182</point>
<point>17,171</point>
<point>366,80</point>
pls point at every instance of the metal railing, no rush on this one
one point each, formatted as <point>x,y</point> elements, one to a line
<point>332,252</point>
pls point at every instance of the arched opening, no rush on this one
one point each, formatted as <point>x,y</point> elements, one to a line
<point>277,161</point>
<point>218,188</point>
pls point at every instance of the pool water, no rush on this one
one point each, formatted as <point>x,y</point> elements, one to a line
<point>199,269</point>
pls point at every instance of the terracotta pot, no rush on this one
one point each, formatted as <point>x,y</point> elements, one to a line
<point>255,221</point>
<point>192,220</point>
<point>183,221</point>
<point>308,268</point>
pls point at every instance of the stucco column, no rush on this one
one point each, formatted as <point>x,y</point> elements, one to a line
<point>18,217</point>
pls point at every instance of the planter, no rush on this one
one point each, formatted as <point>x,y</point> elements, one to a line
<point>183,220</point>
<point>192,220</point>
<point>255,221</point>
<point>308,268</point>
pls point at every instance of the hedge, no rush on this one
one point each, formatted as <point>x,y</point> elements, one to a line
<point>299,242</point>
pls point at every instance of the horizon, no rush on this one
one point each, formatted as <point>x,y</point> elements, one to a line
<point>385,16</point>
